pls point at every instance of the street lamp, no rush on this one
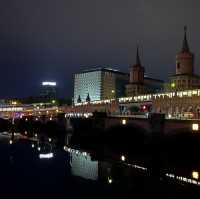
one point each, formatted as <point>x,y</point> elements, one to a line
<point>173,86</point>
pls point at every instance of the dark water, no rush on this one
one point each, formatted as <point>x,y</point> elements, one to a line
<point>75,173</point>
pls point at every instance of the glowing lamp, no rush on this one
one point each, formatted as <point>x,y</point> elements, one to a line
<point>110,180</point>
<point>195,127</point>
<point>173,85</point>
<point>123,158</point>
<point>124,121</point>
<point>195,175</point>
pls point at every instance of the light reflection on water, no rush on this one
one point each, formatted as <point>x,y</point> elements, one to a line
<point>84,166</point>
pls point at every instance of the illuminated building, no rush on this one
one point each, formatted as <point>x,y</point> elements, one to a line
<point>185,78</point>
<point>99,84</point>
<point>136,81</point>
<point>48,90</point>
<point>140,83</point>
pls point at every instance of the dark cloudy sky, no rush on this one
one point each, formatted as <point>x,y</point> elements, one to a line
<point>52,39</point>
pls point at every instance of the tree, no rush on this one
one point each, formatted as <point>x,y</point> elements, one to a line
<point>79,99</point>
<point>88,98</point>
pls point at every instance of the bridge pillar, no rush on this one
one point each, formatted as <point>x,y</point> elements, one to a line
<point>157,122</point>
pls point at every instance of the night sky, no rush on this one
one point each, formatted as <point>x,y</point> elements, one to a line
<point>52,39</point>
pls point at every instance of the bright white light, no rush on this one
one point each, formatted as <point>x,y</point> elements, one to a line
<point>110,181</point>
<point>123,158</point>
<point>170,116</point>
<point>39,148</point>
<point>195,127</point>
<point>50,118</point>
<point>26,119</point>
<point>48,83</point>
<point>36,135</point>
<point>124,122</point>
<point>195,175</point>
<point>46,156</point>
<point>25,133</point>
<point>32,145</point>
<point>50,139</point>
<point>11,142</point>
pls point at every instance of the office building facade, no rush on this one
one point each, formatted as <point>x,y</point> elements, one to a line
<point>99,84</point>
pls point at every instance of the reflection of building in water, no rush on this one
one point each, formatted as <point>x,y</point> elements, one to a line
<point>83,166</point>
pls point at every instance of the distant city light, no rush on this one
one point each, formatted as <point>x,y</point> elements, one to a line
<point>14,103</point>
<point>32,145</point>
<point>46,156</point>
<point>48,83</point>
<point>39,148</point>
<point>195,175</point>
<point>50,139</point>
<point>195,127</point>
<point>10,142</point>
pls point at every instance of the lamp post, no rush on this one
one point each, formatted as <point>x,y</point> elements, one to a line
<point>172,86</point>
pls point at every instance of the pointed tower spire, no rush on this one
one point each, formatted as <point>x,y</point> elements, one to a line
<point>138,62</point>
<point>185,47</point>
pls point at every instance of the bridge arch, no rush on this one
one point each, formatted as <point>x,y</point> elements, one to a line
<point>190,109</point>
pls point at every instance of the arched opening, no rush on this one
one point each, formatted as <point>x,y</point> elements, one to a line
<point>197,112</point>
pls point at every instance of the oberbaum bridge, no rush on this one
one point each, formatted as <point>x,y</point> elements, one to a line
<point>176,108</point>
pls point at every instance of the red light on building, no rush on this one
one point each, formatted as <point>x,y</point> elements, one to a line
<point>144,107</point>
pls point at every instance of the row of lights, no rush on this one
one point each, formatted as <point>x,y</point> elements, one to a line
<point>194,180</point>
<point>75,151</point>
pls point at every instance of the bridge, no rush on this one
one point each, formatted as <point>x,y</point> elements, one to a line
<point>154,124</point>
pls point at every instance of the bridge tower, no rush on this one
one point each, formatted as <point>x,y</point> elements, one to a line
<point>136,81</point>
